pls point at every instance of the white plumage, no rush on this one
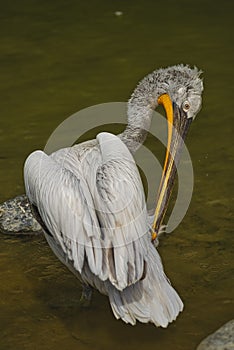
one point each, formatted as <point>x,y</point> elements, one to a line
<point>94,207</point>
<point>90,201</point>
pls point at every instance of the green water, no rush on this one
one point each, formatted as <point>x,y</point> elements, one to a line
<point>57,57</point>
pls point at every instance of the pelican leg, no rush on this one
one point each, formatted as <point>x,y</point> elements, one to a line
<point>86,295</point>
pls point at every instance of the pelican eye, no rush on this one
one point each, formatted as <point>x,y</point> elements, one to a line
<point>186,106</point>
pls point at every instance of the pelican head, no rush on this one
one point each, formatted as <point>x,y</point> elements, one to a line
<point>178,89</point>
<point>182,83</point>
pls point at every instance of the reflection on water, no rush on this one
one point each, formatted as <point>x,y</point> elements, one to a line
<point>59,57</point>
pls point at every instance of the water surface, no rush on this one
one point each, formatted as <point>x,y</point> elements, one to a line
<point>61,56</point>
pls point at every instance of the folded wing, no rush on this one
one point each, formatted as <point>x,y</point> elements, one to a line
<point>94,208</point>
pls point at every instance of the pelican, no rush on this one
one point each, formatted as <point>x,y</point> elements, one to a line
<point>90,201</point>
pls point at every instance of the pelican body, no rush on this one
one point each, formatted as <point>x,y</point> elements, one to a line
<point>90,201</point>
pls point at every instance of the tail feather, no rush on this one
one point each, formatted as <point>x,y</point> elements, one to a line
<point>152,299</point>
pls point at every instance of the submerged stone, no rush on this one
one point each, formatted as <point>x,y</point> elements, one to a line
<point>222,339</point>
<point>16,217</point>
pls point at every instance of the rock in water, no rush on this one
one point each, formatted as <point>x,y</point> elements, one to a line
<point>16,217</point>
<point>222,339</point>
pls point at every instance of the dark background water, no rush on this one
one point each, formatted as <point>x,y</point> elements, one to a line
<point>57,57</point>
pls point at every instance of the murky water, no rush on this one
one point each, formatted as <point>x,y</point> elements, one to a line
<point>60,56</point>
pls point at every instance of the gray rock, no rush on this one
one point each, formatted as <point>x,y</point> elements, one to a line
<point>222,339</point>
<point>16,217</point>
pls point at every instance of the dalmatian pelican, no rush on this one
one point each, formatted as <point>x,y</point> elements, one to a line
<point>91,204</point>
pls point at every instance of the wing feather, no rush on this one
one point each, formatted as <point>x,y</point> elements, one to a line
<point>93,204</point>
<point>122,210</point>
<point>61,199</point>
